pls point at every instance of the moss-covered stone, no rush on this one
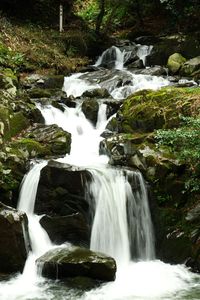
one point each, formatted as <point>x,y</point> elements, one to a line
<point>34,148</point>
<point>191,67</point>
<point>39,93</point>
<point>148,110</point>
<point>62,263</point>
<point>175,61</point>
<point>18,122</point>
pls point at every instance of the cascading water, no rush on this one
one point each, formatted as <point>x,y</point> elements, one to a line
<point>121,219</point>
<point>143,51</point>
<point>122,225</point>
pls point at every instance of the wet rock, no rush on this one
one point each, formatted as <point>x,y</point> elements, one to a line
<point>44,140</point>
<point>122,150</point>
<point>153,71</point>
<point>13,235</point>
<point>39,81</point>
<point>68,101</point>
<point>147,40</point>
<point>112,106</point>
<point>62,192</point>
<point>136,64</point>
<point>190,67</point>
<point>72,228</point>
<point>39,93</point>
<point>61,263</point>
<point>148,110</point>
<point>176,248</point>
<point>90,108</point>
<point>97,93</point>
<point>175,62</point>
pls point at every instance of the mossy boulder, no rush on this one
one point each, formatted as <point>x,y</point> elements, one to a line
<point>122,149</point>
<point>13,239</point>
<point>11,123</point>
<point>174,63</point>
<point>39,93</point>
<point>148,110</point>
<point>191,67</point>
<point>43,140</point>
<point>62,263</point>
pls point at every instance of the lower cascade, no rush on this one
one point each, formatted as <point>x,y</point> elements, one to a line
<point>121,224</point>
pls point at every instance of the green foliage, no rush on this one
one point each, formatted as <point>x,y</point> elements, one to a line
<point>184,142</point>
<point>9,58</point>
<point>182,12</point>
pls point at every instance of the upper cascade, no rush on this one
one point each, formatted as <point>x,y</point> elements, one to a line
<point>111,58</point>
<point>116,57</point>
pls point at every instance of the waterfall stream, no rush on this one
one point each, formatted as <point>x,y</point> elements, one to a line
<point>122,224</point>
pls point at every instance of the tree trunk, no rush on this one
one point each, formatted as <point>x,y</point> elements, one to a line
<point>100,16</point>
<point>139,14</point>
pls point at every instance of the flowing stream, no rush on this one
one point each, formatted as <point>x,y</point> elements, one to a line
<point>122,224</point>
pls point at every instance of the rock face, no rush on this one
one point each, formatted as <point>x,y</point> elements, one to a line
<point>62,196</point>
<point>13,239</point>
<point>61,263</point>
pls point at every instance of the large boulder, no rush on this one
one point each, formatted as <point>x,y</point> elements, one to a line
<point>13,239</point>
<point>148,110</point>
<point>122,150</point>
<point>62,193</point>
<point>191,67</point>
<point>62,263</point>
<point>43,141</point>
<point>174,63</point>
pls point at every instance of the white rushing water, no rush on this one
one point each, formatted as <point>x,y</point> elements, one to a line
<point>122,224</point>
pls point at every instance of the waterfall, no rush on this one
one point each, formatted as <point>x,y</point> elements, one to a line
<point>121,220</point>
<point>122,224</point>
<point>113,57</point>
<point>143,51</point>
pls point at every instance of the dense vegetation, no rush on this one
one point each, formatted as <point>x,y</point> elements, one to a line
<point>112,15</point>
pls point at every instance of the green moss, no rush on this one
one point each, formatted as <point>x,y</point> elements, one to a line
<point>5,122</point>
<point>149,110</point>
<point>18,122</point>
<point>39,93</point>
<point>34,148</point>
